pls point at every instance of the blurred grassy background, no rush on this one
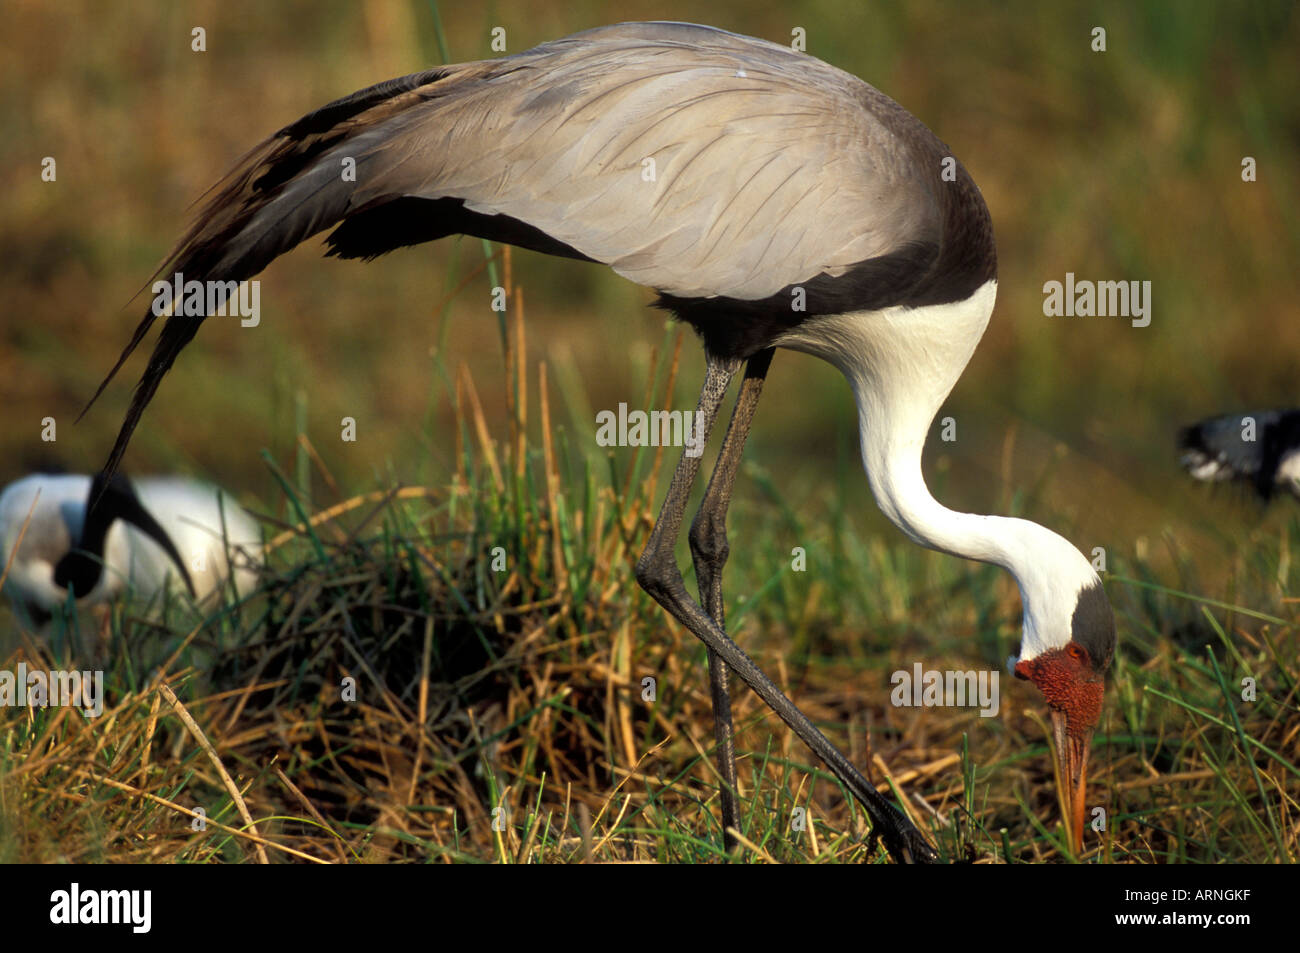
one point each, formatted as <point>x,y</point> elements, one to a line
<point>1123,165</point>
<point>1115,165</point>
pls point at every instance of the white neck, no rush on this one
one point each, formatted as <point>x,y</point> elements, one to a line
<point>902,363</point>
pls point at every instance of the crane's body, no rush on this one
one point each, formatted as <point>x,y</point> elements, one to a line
<point>187,538</point>
<point>773,201</point>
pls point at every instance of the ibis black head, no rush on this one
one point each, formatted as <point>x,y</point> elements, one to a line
<point>110,499</point>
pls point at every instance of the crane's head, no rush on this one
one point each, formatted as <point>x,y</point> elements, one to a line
<point>1068,642</point>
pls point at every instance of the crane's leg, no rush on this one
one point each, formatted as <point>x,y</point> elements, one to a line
<point>709,551</point>
<point>658,574</point>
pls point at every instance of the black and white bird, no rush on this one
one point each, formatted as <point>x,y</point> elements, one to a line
<point>1261,450</point>
<point>139,538</point>
<point>772,201</point>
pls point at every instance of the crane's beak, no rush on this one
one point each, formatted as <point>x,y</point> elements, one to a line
<point>1070,764</point>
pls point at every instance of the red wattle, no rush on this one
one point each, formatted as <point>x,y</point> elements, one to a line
<point>1069,684</point>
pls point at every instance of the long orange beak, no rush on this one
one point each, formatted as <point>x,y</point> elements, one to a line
<point>1070,766</point>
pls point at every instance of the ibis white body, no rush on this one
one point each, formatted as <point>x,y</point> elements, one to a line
<point>192,513</point>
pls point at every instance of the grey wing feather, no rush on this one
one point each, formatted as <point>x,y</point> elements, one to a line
<point>769,168</point>
<point>563,138</point>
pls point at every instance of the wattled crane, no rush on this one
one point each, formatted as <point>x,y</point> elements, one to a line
<point>792,205</point>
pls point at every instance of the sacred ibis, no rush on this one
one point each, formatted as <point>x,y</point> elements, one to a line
<point>1261,450</point>
<point>139,537</point>
<point>790,205</point>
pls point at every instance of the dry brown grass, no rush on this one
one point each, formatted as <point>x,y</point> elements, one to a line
<point>483,690</point>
